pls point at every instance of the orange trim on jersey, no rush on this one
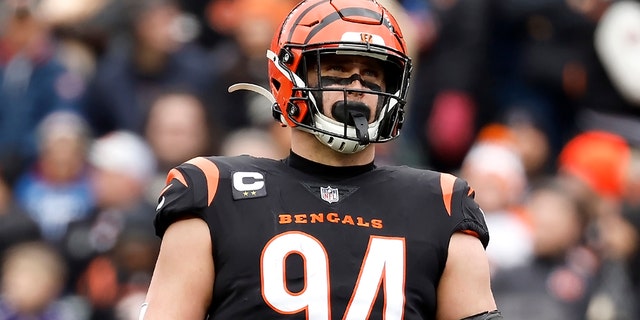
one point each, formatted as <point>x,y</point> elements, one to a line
<point>174,174</point>
<point>165,189</point>
<point>211,174</point>
<point>471,233</point>
<point>446,184</point>
<point>471,191</point>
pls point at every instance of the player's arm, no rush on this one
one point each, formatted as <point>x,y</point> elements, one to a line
<point>465,288</point>
<point>182,283</point>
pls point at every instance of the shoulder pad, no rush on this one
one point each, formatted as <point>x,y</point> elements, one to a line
<point>190,188</point>
<point>462,202</point>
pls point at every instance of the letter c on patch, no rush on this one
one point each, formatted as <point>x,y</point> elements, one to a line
<point>248,181</point>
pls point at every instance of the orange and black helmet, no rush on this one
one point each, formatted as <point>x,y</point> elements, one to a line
<point>315,28</point>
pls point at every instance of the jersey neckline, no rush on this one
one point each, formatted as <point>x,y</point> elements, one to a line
<point>325,171</point>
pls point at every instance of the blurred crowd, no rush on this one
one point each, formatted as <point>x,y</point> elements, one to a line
<point>535,102</point>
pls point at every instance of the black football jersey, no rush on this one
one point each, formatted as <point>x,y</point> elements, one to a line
<point>294,244</point>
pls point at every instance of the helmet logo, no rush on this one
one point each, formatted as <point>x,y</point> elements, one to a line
<point>366,37</point>
<point>362,37</point>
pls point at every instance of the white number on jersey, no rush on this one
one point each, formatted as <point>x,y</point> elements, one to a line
<point>383,268</point>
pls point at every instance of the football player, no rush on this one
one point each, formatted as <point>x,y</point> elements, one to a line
<point>325,233</point>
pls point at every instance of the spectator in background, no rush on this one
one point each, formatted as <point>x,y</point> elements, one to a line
<point>545,69</point>
<point>208,36</point>
<point>496,171</point>
<point>447,105</point>
<point>612,99</point>
<point>33,278</point>
<point>421,15</point>
<point>596,161</point>
<point>114,251</point>
<point>631,213</point>
<point>532,144</point>
<point>177,130</point>
<point>597,164</point>
<point>56,190</point>
<point>412,23</point>
<point>249,25</point>
<point>156,56</point>
<point>32,82</point>
<point>81,29</point>
<point>16,226</point>
<point>558,282</point>
<point>617,46</point>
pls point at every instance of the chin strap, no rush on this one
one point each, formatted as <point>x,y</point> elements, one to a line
<point>254,88</point>
<point>487,315</point>
<point>259,90</point>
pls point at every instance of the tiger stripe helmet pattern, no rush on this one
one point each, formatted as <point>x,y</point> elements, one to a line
<point>315,28</point>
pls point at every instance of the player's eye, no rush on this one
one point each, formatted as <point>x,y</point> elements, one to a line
<point>371,73</point>
<point>335,68</point>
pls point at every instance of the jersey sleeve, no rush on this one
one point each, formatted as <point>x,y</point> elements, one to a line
<point>471,220</point>
<point>189,190</point>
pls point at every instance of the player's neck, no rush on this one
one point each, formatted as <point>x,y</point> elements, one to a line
<point>307,146</point>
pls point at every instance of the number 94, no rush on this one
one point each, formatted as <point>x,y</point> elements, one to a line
<point>383,267</point>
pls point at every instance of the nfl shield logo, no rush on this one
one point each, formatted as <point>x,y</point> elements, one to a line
<point>329,194</point>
